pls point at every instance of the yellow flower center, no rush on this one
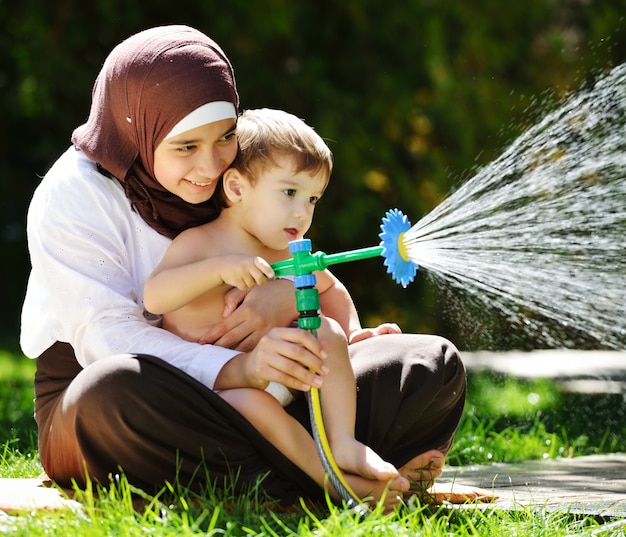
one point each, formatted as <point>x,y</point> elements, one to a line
<point>402,248</point>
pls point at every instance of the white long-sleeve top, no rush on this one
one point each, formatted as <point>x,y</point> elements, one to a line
<point>90,256</point>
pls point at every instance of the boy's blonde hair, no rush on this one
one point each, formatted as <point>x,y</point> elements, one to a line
<point>265,134</point>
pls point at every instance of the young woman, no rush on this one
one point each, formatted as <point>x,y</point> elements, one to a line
<point>117,393</point>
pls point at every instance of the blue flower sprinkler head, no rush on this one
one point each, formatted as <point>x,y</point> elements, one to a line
<point>395,224</point>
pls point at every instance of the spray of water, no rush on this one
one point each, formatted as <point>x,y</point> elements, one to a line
<point>540,233</point>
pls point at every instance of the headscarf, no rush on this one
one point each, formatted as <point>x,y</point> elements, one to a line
<point>148,85</point>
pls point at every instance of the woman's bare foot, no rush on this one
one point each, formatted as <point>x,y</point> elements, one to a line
<point>422,470</point>
<point>456,493</point>
<point>356,458</point>
<point>391,491</point>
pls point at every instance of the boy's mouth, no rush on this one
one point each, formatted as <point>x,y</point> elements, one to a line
<point>292,233</point>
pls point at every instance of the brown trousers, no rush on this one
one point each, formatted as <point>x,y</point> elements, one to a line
<point>142,416</point>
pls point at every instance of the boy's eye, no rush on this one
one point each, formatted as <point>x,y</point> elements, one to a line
<point>313,200</point>
<point>289,192</point>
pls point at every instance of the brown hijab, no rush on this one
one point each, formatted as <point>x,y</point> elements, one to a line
<point>148,84</point>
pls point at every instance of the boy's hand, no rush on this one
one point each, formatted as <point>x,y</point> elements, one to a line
<point>366,333</point>
<point>245,271</point>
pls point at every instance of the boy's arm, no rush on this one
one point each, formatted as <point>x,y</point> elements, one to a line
<point>184,275</point>
<point>336,302</point>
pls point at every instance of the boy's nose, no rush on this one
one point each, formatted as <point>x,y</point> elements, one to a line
<point>303,212</point>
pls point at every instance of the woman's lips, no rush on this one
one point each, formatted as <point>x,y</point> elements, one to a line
<point>201,186</point>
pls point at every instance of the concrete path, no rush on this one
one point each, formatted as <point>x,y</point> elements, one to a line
<point>592,485</point>
<point>25,496</point>
<point>572,370</point>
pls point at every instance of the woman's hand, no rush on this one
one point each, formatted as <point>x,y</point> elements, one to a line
<point>249,316</point>
<point>366,333</point>
<point>289,356</point>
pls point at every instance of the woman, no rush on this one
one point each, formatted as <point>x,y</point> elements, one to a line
<point>115,392</point>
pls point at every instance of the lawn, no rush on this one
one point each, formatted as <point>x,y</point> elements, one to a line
<point>505,420</point>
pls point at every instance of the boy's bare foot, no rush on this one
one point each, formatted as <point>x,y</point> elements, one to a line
<point>423,469</point>
<point>356,458</point>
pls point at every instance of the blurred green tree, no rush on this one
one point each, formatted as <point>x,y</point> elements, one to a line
<point>412,99</point>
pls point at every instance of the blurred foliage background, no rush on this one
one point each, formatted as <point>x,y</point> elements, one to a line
<point>412,97</point>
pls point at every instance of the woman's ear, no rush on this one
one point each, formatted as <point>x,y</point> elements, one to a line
<point>232,184</point>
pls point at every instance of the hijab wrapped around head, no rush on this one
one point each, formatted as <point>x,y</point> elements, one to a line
<point>148,87</point>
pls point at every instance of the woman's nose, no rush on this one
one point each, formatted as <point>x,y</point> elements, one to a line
<point>212,163</point>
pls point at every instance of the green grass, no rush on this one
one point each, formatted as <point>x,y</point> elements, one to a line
<point>509,420</point>
<point>16,399</point>
<point>504,421</point>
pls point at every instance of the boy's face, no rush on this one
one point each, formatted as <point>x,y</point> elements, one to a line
<point>191,163</point>
<point>279,206</point>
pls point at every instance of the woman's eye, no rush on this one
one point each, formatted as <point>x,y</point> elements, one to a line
<point>186,148</point>
<point>228,137</point>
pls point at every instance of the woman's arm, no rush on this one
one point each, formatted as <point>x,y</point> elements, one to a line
<point>90,255</point>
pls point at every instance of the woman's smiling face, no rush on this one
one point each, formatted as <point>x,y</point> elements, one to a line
<point>190,164</point>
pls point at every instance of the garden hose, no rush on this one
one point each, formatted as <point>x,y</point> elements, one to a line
<point>329,464</point>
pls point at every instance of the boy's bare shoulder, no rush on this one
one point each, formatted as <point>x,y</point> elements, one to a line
<point>195,233</point>
<point>204,238</point>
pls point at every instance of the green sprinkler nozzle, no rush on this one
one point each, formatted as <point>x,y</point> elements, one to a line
<point>304,262</point>
<point>302,265</point>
